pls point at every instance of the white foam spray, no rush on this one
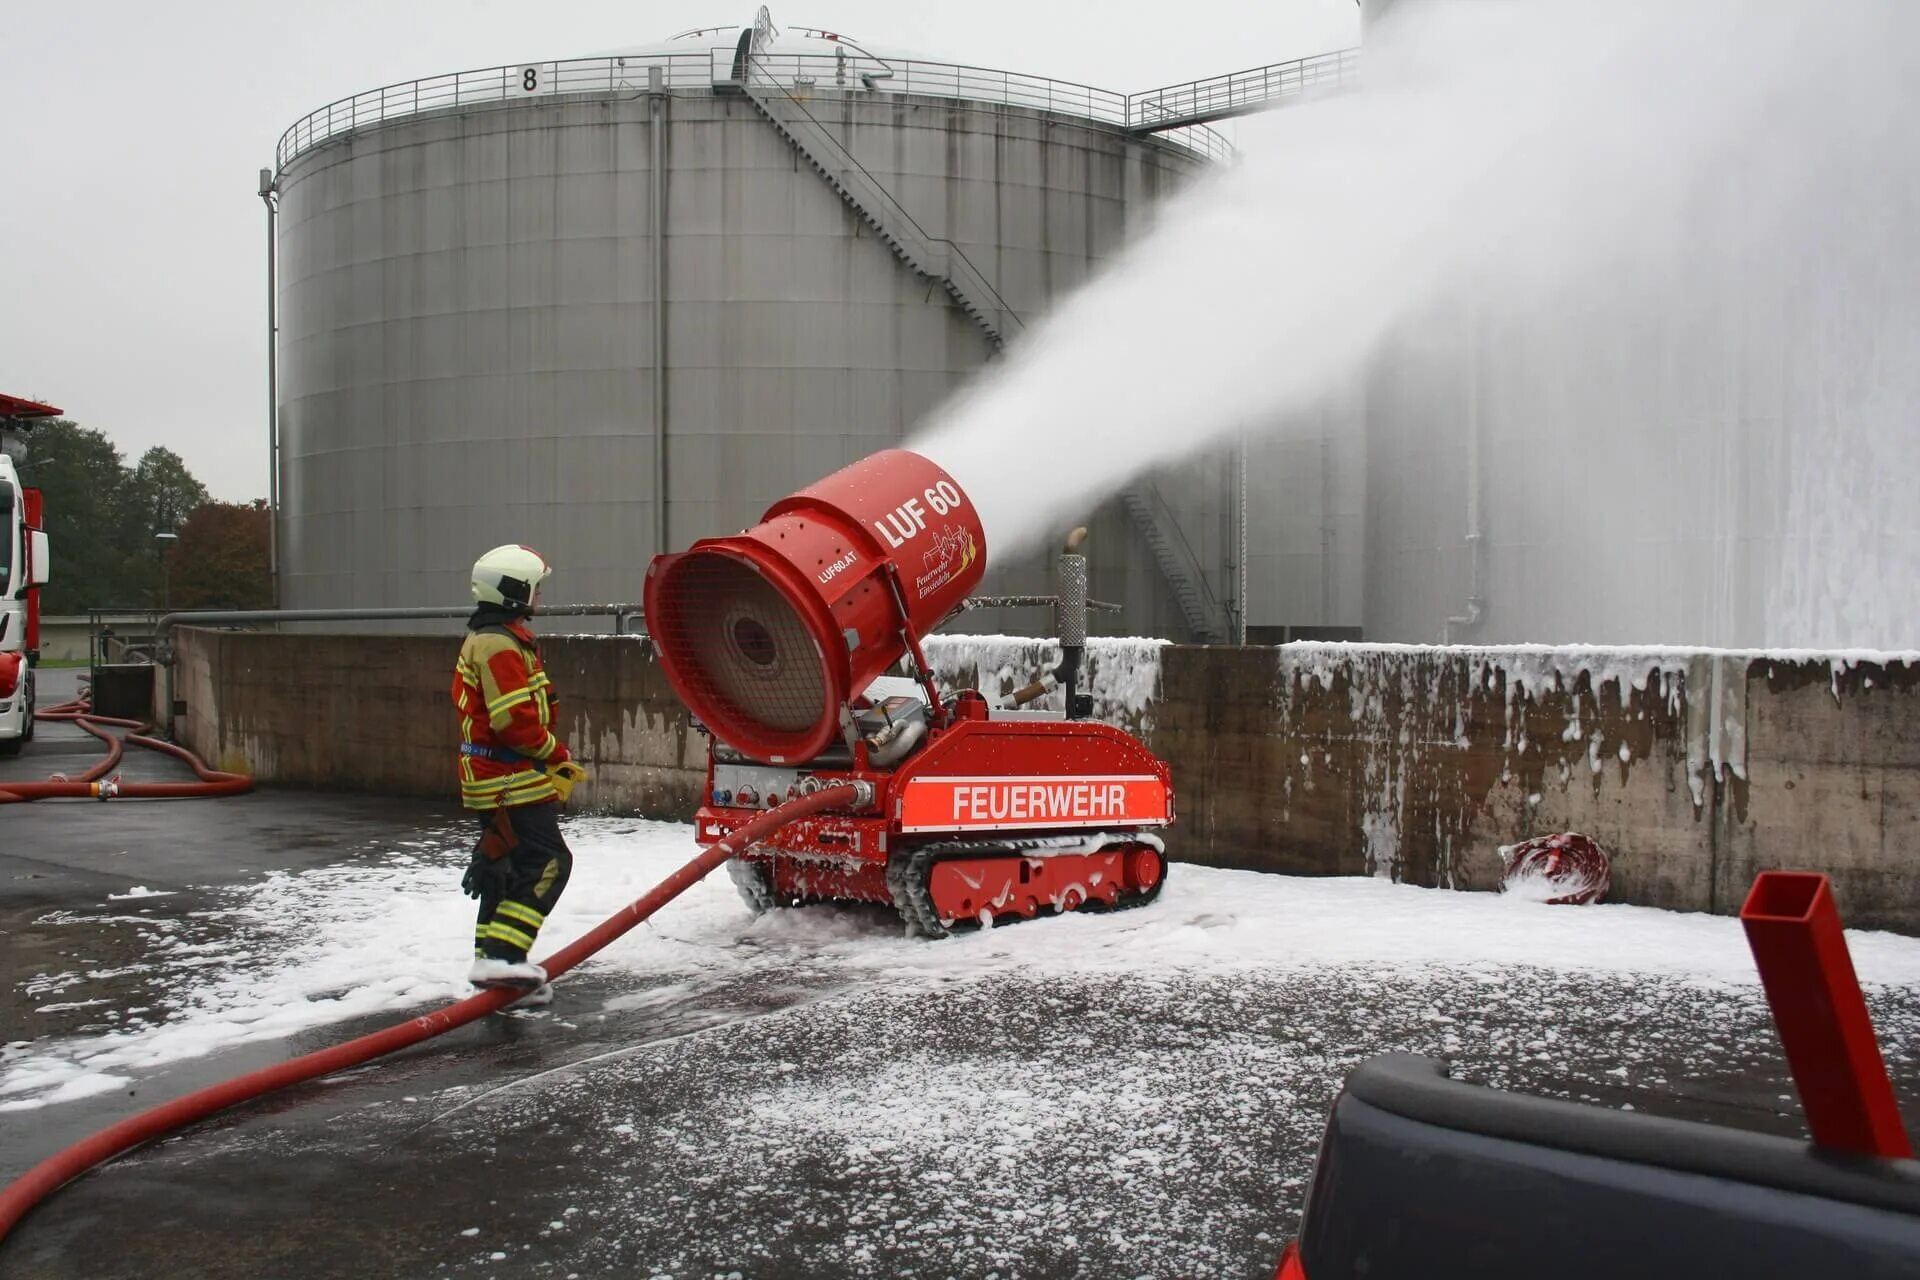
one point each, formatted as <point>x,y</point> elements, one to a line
<point>1740,180</point>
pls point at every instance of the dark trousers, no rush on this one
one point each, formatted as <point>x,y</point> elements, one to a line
<point>539,863</point>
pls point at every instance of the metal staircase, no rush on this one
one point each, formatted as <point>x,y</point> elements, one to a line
<point>940,261</point>
<point>1206,618</point>
<point>944,263</point>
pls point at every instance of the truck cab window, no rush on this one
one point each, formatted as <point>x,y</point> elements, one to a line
<point>9,535</point>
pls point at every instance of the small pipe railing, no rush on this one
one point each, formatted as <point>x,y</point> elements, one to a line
<point>163,629</point>
<point>1239,92</point>
<point>620,613</point>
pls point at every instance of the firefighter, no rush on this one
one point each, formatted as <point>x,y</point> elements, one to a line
<point>514,774</point>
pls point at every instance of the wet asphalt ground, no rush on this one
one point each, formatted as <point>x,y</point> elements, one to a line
<point>774,1118</point>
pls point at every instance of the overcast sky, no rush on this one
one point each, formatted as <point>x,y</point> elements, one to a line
<point>132,245</point>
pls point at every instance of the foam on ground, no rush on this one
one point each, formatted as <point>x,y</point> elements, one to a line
<point>389,933</point>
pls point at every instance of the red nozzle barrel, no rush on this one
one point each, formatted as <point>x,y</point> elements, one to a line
<point>767,634</point>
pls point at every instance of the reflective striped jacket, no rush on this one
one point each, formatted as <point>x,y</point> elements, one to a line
<point>506,704</point>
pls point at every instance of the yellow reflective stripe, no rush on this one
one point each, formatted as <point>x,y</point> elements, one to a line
<point>466,761</point>
<point>547,747</point>
<point>520,782</point>
<point>538,680</point>
<point>482,786</point>
<point>547,878</point>
<point>506,700</point>
<point>515,911</point>
<point>497,799</point>
<point>508,934</point>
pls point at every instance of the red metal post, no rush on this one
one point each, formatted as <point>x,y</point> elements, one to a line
<point>1794,930</point>
<point>36,515</point>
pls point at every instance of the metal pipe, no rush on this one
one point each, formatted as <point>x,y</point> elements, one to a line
<point>1240,521</point>
<point>1027,602</point>
<point>1070,623</point>
<point>270,196</point>
<point>1327,534</point>
<point>1029,693</point>
<point>187,617</point>
<point>1476,544</point>
<point>657,110</point>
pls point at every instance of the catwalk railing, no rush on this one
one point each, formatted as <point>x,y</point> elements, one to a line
<point>701,69</point>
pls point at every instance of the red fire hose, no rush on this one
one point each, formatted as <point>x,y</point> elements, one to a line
<point>43,1179</point>
<point>89,785</point>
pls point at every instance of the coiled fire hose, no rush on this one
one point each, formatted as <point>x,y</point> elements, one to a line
<point>33,1186</point>
<point>94,783</point>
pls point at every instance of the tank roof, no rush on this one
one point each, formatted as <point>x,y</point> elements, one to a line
<point>789,40</point>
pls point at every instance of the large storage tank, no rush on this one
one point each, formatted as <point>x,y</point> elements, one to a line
<point>1622,475</point>
<point>501,293</point>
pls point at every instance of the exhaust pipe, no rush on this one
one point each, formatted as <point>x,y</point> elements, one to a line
<point>1070,624</point>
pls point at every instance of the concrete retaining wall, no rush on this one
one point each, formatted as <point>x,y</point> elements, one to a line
<point>374,714</point>
<point>1695,769</point>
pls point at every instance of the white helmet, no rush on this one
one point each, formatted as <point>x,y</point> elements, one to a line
<point>509,576</point>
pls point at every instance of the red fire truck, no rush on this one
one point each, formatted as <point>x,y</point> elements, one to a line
<point>23,570</point>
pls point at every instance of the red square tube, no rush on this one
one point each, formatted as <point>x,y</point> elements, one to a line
<point>1794,931</point>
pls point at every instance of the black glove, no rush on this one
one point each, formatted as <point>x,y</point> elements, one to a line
<point>490,870</point>
<point>486,877</point>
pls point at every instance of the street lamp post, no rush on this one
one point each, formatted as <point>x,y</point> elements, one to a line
<point>166,570</point>
<point>270,196</point>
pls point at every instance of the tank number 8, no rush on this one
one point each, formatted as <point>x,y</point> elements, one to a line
<point>530,79</point>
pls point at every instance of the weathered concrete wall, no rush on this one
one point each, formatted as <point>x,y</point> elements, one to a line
<point>1420,763</point>
<point>374,714</point>
<point>1695,769</point>
<point>1831,781</point>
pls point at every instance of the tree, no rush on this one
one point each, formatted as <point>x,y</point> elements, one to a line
<point>84,480</point>
<point>163,492</point>
<point>160,494</point>
<point>220,561</point>
<point>101,515</point>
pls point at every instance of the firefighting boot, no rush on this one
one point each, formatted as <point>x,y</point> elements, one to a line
<point>488,971</point>
<point>538,998</point>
